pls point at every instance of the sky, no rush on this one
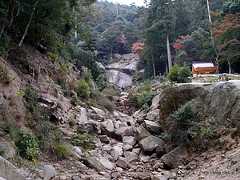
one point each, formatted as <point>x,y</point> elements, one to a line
<point>128,2</point>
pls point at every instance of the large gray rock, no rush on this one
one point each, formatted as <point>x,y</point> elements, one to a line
<point>9,171</point>
<point>128,142</point>
<point>149,144</point>
<point>142,133</point>
<point>7,149</point>
<point>94,163</point>
<point>122,163</point>
<point>153,115</point>
<point>107,127</point>
<point>77,152</point>
<point>49,172</point>
<point>153,127</point>
<point>131,156</point>
<point>117,151</point>
<point>125,131</point>
<point>176,157</point>
<point>155,102</point>
<point>106,163</point>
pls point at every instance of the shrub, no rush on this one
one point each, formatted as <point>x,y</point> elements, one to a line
<point>53,56</point>
<point>31,97</point>
<point>27,146</point>
<point>83,89</point>
<point>4,76</point>
<point>179,74</point>
<point>4,44</point>
<point>183,122</point>
<point>143,96</point>
<point>84,140</point>
<point>48,135</point>
<point>101,82</point>
<point>62,151</point>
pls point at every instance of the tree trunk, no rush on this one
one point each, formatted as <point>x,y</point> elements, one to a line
<point>2,31</point>
<point>169,54</point>
<point>211,31</point>
<point>28,25</point>
<point>11,9</point>
<point>153,65</point>
<point>229,68</point>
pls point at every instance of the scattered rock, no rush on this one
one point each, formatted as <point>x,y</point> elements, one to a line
<point>122,162</point>
<point>104,139</point>
<point>176,157</point>
<point>153,127</point>
<point>117,151</point>
<point>93,162</point>
<point>9,171</point>
<point>141,133</point>
<point>149,144</point>
<point>107,127</point>
<point>49,172</point>
<point>153,115</point>
<point>7,150</point>
<point>106,163</point>
<point>125,131</point>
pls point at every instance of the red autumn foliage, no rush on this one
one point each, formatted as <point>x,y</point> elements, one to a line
<point>179,42</point>
<point>137,47</point>
<point>230,21</point>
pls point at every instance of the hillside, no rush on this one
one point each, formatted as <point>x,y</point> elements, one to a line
<point>99,91</point>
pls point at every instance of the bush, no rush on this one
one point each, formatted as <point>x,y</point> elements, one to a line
<point>101,82</point>
<point>183,122</point>
<point>31,97</point>
<point>27,146</point>
<point>83,89</point>
<point>84,140</point>
<point>4,77</point>
<point>143,96</point>
<point>62,151</point>
<point>179,74</point>
<point>4,44</point>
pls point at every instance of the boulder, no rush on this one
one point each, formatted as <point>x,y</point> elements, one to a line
<point>107,127</point>
<point>131,156</point>
<point>77,152</point>
<point>176,157</point>
<point>117,151</point>
<point>100,114</point>
<point>8,150</point>
<point>106,163</point>
<point>49,172</point>
<point>150,143</point>
<point>155,102</point>
<point>153,127</point>
<point>9,171</point>
<point>153,115</point>
<point>94,163</point>
<point>82,115</point>
<point>124,131</point>
<point>104,139</point>
<point>161,150</point>
<point>90,127</point>
<point>174,97</point>
<point>141,133</point>
<point>129,140</point>
<point>122,163</point>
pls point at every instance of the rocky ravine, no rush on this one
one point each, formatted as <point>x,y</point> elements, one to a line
<point>130,147</point>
